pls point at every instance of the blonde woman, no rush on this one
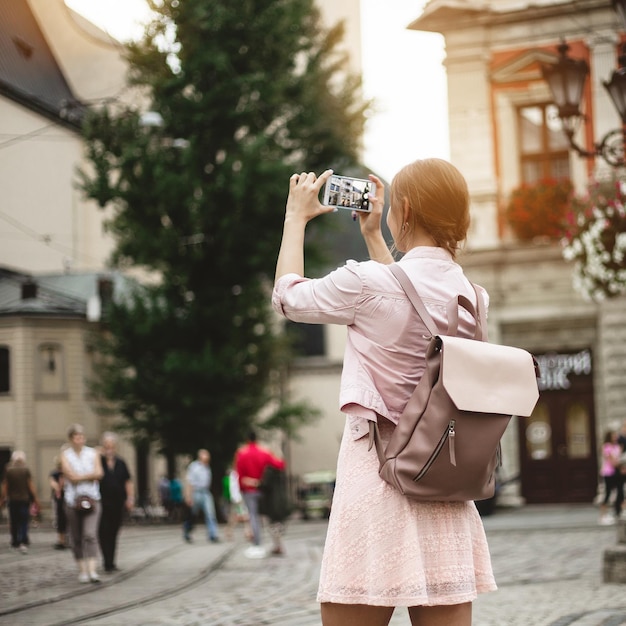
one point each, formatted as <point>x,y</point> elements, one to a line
<point>383,550</point>
<point>82,469</point>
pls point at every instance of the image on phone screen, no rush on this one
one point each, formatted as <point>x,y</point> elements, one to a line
<point>345,192</point>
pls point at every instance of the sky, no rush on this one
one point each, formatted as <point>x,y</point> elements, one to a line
<point>402,71</point>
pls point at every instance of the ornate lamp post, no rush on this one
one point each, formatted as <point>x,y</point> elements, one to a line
<point>566,79</point>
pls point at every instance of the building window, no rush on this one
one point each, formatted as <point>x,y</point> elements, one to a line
<point>307,339</point>
<point>544,149</point>
<point>51,371</point>
<point>5,370</point>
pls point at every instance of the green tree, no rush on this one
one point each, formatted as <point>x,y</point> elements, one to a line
<point>247,92</point>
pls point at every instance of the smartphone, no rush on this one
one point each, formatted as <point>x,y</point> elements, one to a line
<point>346,192</point>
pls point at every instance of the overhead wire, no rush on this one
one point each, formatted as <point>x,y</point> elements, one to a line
<point>46,239</point>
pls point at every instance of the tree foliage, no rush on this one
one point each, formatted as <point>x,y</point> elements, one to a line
<point>248,92</point>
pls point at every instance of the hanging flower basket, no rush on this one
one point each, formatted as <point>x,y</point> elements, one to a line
<point>539,209</point>
<point>595,241</point>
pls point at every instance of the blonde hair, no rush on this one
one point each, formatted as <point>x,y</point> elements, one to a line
<point>438,200</point>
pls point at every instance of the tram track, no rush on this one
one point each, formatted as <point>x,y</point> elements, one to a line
<point>186,585</point>
<point>44,591</point>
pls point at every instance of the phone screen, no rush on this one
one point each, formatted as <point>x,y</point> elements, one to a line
<point>346,192</point>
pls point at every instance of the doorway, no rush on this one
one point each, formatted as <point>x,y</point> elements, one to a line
<point>558,457</point>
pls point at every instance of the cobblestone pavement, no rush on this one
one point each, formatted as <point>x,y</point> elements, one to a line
<point>548,564</point>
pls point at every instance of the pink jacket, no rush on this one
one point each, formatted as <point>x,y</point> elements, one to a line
<point>386,342</point>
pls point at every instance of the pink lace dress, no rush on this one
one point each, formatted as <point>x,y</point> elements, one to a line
<point>383,549</point>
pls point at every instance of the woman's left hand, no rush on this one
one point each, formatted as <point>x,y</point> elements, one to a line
<point>303,201</point>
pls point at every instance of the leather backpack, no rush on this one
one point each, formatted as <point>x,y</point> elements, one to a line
<point>446,445</point>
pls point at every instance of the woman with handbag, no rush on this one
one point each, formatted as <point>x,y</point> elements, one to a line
<point>382,549</point>
<point>82,469</point>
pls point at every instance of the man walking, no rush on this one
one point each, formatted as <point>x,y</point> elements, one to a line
<point>198,496</point>
<point>117,495</point>
<point>250,462</point>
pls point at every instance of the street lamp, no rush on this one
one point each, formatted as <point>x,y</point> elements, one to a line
<point>566,79</point>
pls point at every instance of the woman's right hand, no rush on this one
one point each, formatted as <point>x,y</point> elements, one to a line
<point>303,201</point>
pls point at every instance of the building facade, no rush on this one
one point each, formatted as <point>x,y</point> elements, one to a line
<point>504,131</point>
<point>54,251</point>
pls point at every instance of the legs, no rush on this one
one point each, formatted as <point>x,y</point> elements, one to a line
<point>208,508</point>
<point>355,615</point>
<point>619,493</point>
<point>18,521</point>
<point>277,530</point>
<point>75,528</point>
<point>610,483</point>
<point>188,513</point>
<point>83,532</point>
<point>363,615</point>
<point>251,498</point>
<point>108,530</point>
<point>61,522</point>
<point>448,615</point>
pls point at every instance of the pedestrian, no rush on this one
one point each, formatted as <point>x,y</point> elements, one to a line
<point>232,502</point>
<point>198,497</point>
<point>383,550</point>
<point>250,462</point>
<point>163,488</point>
<point>176,499</point>
<point>58,504</point>
<point>117,495</point>
<point>82,470</point>
<point>19,490</point>
<point>274,504</point>
<point>612,476</point>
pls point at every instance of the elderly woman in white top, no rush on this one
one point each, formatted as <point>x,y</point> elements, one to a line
<point>82,469</point>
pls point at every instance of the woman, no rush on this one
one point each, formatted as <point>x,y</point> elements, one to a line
<point>19,489</point>
<point>382,549</point>
<point>82,469</point>
<point>613,480</point>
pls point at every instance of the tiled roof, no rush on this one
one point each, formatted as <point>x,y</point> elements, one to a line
<point>29,73</point>
<point>56,294</point>
<point>46,302</point>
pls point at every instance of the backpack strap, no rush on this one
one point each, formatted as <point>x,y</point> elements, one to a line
<point>452,307</point>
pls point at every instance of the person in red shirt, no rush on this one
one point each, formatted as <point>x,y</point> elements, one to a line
<point>250,462</point>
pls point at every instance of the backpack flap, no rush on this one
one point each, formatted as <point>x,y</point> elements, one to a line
<point>488,378</point>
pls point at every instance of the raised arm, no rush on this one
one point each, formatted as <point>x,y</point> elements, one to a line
<point>302,206</point>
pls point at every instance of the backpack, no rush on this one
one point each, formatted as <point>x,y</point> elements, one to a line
<point>446,446</point>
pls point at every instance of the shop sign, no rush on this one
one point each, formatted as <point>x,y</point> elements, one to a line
<point>556,369</point>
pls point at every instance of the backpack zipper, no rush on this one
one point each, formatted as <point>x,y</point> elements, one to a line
<point>449,434</point>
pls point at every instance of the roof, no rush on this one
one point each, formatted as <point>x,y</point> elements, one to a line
<point>440,16</point>
<point>29,72</point>
<point>57,295</point>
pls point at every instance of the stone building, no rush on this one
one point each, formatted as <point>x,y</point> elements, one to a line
<point>53,257</point>
<point>504,131</point>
